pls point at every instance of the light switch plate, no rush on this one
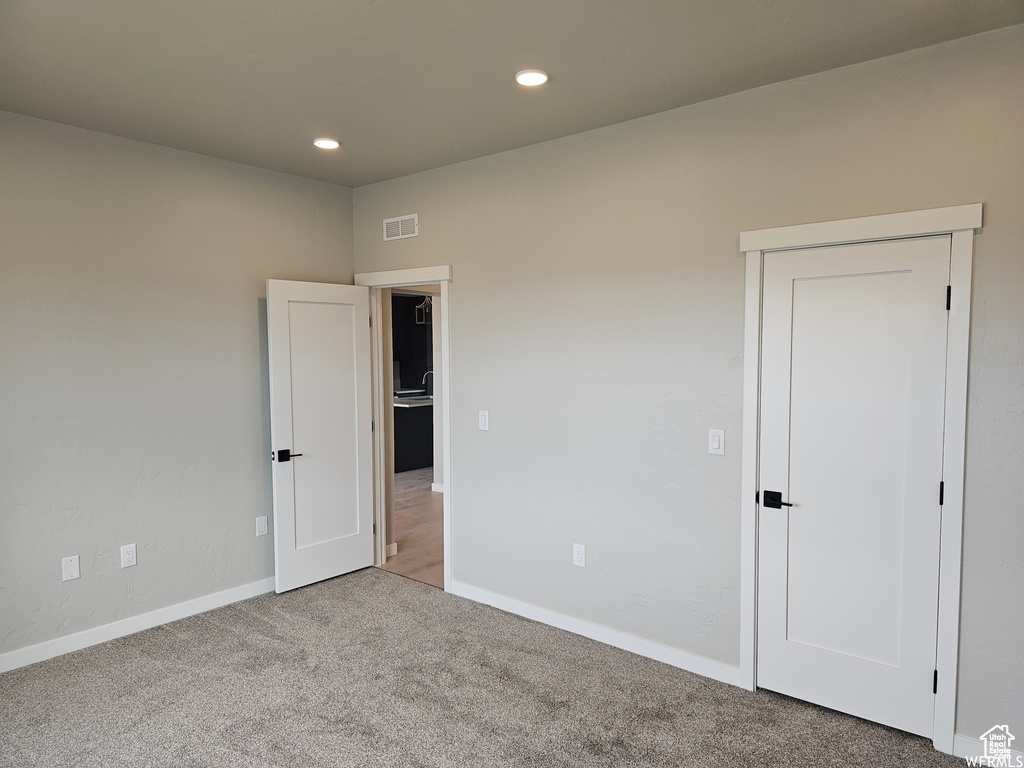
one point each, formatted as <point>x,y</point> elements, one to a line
<point>69,568</point>
<point>261,525</point>
<point>716,441</point>
<point>484,421</point>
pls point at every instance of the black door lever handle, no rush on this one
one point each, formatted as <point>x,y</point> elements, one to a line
<point>773,500</point>
<point>286,455</point>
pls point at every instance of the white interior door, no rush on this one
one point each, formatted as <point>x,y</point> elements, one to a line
<point>321,431</point>
<point>852,397</point>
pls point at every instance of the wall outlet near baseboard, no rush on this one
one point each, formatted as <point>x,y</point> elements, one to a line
<point>579,555</point>
<point>261,526</point>
<point>128,558</point>
<point>69,568</point>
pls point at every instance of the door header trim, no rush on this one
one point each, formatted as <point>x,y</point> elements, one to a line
<point>394,278</point>
<point>887,226</point>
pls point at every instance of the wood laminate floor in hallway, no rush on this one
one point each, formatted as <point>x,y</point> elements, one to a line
<point>417,520</point>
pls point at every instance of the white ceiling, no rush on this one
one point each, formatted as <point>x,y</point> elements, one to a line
<point>408,85</point>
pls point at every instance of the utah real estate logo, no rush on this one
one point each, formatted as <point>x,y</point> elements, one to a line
<point>998,752</point>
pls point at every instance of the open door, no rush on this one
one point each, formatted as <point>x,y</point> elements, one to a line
<point>320,429</point>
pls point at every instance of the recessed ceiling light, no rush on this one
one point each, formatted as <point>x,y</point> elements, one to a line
<point>326,144</point>
<point>531,77</point>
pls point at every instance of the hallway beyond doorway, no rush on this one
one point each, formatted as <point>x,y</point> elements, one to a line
<point>418,524</point>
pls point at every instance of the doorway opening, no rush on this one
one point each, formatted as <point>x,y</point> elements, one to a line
<point>414,508</point>
<point>412,412</point>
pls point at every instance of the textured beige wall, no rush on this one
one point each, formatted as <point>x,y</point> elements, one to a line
<point>133,368</point>
<point>597,310</point>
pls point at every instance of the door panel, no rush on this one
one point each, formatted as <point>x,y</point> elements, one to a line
<point>320,409</point>
<point>845,557</point>
<point>852,395</point>
<point>324,392</point>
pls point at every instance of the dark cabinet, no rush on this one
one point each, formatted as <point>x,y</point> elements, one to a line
<point>414,438</point>
<point>413,356</point>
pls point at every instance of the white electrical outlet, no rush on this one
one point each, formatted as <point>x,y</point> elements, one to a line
<point>261,526</point>
<point>69,568</point>
<point>484,421</point>
<point>579,555</point>
<point>128,556</point>
<point>716,442</point>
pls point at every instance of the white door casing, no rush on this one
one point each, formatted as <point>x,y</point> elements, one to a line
<point>319,350</point>
<point>852,397</point>
<point>960,222</point>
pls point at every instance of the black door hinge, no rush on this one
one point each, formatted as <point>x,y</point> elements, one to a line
<point>757,497</point>
<point>371,321</point>
<point>935,682</point>
<point>949,296</point>
<point>374,527</point>
<point>372,426</point>
<point>942,491</point>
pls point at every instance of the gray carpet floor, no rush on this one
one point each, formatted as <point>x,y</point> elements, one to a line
<point>372,669</point>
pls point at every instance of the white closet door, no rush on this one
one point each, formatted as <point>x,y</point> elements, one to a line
<point>852,398</point>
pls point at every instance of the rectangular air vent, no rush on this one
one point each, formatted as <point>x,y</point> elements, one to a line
<point>402,226</point>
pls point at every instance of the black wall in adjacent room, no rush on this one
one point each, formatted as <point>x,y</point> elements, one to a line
<point>413,345</point>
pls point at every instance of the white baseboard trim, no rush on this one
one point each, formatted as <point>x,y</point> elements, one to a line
<point>688,661</point>
<point>966,746</point>
<point>437,487</point>
<point>31,654</point>
<point>392,549</point>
